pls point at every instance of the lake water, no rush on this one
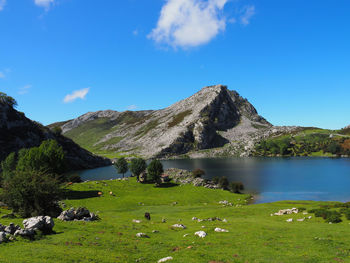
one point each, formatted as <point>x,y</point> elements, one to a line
<point>268,179</point>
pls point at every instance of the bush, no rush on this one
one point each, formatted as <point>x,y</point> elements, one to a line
<point>154,171</point>
<point>32,193</point>
<point>198,173</point>
<point>216,179</point>
<point>223,183</point>
<point>333,217</point>
<point>236,187</point>
<point>8,166</point>
<point>121,165</point>
<point>137,166</point>
<point>347,214</point>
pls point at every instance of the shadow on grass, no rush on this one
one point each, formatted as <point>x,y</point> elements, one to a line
<point>74,195</point>
<point>167,185</point>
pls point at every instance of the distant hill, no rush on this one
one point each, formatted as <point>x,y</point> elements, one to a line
<point>17,131</point>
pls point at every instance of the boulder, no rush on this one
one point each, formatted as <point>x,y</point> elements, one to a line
<point>42,223</point>
<point>79,214</point>
<point>218,229</point>
<point>11,229</point>
<point>25,233</point>
<point>165,259</point>
<point>201,234</point>
<point>3,237</point>
<point>142,235</point>
<point>179,226</point>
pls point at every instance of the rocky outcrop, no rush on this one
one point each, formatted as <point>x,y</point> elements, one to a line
<point>17,132</point>
<point>79,214</point>
<point>212,118</point>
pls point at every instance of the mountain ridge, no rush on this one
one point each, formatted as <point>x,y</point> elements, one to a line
<point>209,119</point>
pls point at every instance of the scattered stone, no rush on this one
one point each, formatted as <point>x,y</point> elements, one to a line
<point>225,203</point>
<point>25,233</point>
<point>155,231</point>
<point>142,235</point>
<point>203,226</point>
<point>301,219</point>
<point>163,220</point>
<point>42,223</point>
<point>287,212</point>
<point>218,229</point>
<point>165,259</point>
<point>289,220</point>
<point>11,229</point>
<point>201,234</point>
<point>185,235</point>
<point>305,213</point>
<point>79,214</point>
<point>224,220</point>
<point>194,218</point>
<point>179,226</point>
<point>136,221</point>
<point>3,237</point>
<point>309,217</point>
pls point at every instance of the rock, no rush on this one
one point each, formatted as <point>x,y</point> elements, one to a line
<point>136,221</point>
<point>79,214</point>
<point>194,218</point>
<point>201,234</point>
<point>287,212</point>
<point>165,259</point>
<point>11,229</point>
<point>185,235</point>
<point>224,220</point>
<point>225,203</point>
<point>3,237</point>
<point>142,235</point>
<point>163,220</point>
<point>309,217</point>
<point>289,220</point>
<point>218,229</point>
<point>179,226</point>
<point>155,231</point>
<point>301,219</point>
<point>42,223</point>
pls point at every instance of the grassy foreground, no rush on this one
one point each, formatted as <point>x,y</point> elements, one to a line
<point>254,235</point>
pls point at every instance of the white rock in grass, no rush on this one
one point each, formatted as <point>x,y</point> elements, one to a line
<point>142,235</point>
<point>165,259</point>
<point>185,235</point>
<point>201,234</point>
<point>301,219</point>
<point>309,217</point>
<point>136,221</point>
<point>224,220</point>
<point>218,229</point>
<point>179,226</point>
<point>289,220</point>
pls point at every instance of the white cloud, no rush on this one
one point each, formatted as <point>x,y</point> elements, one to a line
<point>2,75</point>
<point>248,13</point>
<point>2,4</point>
<point>78,94</point>
<point>24,90</point>
<point>135,32</point>
<point>44,3</point>
<point>189,23</point>
<point>132,107</point>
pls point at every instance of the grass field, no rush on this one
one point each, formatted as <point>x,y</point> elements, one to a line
<point>254,235</point>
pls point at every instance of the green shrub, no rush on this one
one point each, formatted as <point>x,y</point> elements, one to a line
<point>333,217</point>
<point>236,187</point>
<point>32,193</point>
<point>216,179</point>
<point>198,173</point>
<point>223,183</point>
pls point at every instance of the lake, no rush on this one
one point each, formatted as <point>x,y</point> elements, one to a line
<point>268,179</point>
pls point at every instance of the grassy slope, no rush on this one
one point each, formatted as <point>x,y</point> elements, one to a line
<point>254,235</point>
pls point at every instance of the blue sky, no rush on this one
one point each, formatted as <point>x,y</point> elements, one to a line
<point>290,58</point>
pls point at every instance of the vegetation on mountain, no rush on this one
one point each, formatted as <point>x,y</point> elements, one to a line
<point>308,142</point>
<point>7,100</point>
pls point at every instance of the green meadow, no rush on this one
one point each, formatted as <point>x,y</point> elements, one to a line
<point>254,235</point>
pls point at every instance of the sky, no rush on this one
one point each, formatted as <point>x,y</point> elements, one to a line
<point>290,58</point>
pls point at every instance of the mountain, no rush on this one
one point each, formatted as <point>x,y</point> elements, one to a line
<point>213,122</point>
<point>17,132</point>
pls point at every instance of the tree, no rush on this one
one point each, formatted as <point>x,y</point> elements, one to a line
<point>32,193</point>
<point>154,171</point>
<point>137,166</point>
<point>236,187</point>
<point>8,166</point>
<point>121,165</point>
<point>7,100</point>
<point>223,183</point>
<point>198,173</point>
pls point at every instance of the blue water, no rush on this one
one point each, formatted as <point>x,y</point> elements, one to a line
<point>268,179</point>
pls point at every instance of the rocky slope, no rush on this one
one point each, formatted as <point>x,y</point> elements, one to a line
<point>17,131</point>
<point>213,122</point>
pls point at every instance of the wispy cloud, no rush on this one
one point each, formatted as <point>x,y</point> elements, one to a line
<point>2,4</point>
<point>189,23</point>
<point>131,107</point>
<point>24,90</point>
<point>78,94</point>
<point>2,75</point>
<point>44,3</point>
<point>248,13</point>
